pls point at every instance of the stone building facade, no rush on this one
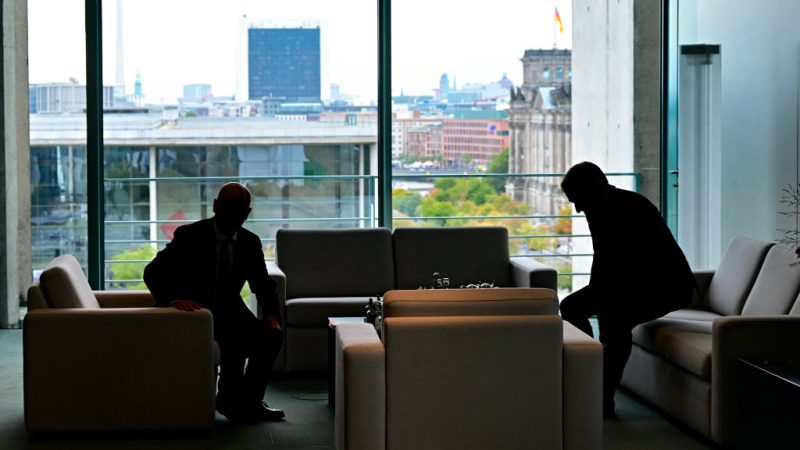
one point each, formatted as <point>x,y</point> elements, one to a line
<point>540,129</point>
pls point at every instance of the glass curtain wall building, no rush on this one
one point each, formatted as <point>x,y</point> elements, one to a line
<point>284,63</point>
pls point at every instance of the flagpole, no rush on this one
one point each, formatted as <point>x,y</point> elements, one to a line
<point>554,26</point>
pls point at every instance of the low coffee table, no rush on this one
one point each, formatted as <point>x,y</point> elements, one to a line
<point>333,322</point>
<point>768,394</point>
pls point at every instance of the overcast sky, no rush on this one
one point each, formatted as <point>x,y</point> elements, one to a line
<point>175,42</point>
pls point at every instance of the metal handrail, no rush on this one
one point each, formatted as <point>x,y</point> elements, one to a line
<point>368,220</point>
<point>222,179</point>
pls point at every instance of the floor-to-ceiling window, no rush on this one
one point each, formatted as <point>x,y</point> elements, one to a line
<point>57,99</point>
<point>281,97</point>
<point>481,121</point>
<point>284,97</point>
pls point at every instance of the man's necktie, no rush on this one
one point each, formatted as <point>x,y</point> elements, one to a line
<point>224,267</point>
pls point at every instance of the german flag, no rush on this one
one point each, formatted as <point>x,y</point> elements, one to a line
<point>560,23</point>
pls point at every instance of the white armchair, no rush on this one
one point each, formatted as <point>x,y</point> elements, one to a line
<point>112,361</point>
<point>468,369</point>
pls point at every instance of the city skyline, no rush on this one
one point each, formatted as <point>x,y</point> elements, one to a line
<point>201,42</point>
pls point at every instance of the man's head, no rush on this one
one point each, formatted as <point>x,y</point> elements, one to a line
<point>585,185</point>
<point>231,207</point>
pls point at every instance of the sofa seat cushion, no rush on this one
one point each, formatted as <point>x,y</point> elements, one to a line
<point>314,311</point>
<point>693,314</point>
<point>686,343</point>
<point>65,286</point>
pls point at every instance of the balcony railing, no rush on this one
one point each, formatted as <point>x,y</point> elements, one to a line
<point>141,213</point>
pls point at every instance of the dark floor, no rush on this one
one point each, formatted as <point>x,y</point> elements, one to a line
<point>308,423</point>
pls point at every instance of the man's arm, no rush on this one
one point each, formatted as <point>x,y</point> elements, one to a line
<point>156,278</point>
<point>260,282</point>
<point>265,289</point>
<point>158,274</point>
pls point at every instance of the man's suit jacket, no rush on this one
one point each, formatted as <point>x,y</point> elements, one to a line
<point>636,259</point>
<point>186,270</point>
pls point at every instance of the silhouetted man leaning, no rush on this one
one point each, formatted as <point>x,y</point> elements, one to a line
<point>638,274</point>
<point>206,265</point>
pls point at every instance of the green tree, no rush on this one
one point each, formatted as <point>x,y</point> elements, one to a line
<point>406,202</point>
<point>461,190</point>
<point>132,270</point>
<point>564,281</point>
<point>499,164</point>
<point>436,208</point>
<point>563,225</point>
<point>470,197</point>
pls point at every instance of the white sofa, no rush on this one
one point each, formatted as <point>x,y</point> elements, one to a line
<point>468,369</point>
<point>685,362</point>
<point>333,273</point>
<point>110,360</point>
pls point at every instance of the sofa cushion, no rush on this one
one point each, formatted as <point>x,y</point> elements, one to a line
<point>777,284</point>
<point>467,302</point>
<point>795,311</point>
<point>36,298</point>
<point>735,275</point>
<point>693,314</point>
<point>334,263</point>
<point>465,255</point>
<point>65,286</point>
<point>687,343</point>
<point>314,311</point>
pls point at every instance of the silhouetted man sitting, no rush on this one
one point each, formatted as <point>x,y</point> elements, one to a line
<point>206,265</point>
<point>638,274</point>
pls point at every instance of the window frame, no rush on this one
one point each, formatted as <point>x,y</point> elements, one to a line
<point>95,140</point>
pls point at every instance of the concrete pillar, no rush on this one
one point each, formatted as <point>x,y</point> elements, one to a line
<point>602,97</point>
<point>15,230</point>
<point>646,92</point>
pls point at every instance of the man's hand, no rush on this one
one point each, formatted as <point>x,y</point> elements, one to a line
<point>273,325</point>
<point>185,305</point>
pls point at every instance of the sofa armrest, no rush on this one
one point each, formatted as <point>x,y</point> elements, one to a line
<point>279,278</point>
<point>125,299</point>
<point>527,272</point>
<point>703,280</point>
<point>750,337</point>
<point>360,388</point>
<point>583,390</point>
<point>96,369</point>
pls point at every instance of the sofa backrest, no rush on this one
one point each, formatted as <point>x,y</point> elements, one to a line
<point>735,275</point>
<point>36,298</point>
<point>65,286</point>
<point>470,302</point>
<point>795,311</point>
<point>336,263</point>
<point>777,284</point>
<point>465,255</point>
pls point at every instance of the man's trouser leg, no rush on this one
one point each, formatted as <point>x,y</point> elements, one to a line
<point>578,307</point>
<point>262,348</point>
<point>615,335</point>
<point>616,322</point>
<point>232,357</point>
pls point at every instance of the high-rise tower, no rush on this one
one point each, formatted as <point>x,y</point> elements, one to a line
<point>283,63</point>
